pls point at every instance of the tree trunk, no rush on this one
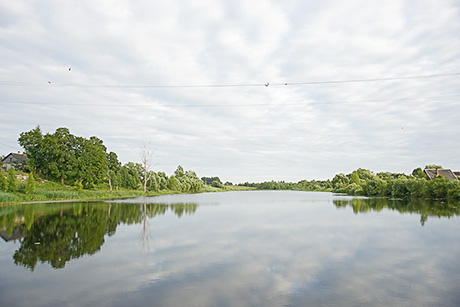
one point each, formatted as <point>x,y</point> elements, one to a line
<point>110,185</point>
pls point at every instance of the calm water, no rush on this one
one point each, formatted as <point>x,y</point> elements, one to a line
<point>231,249</point>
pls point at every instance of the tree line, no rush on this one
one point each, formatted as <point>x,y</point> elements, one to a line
<point>363,182</point>
<point>85,163</point>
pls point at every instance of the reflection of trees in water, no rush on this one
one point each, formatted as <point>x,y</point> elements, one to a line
<point>423,207</point>
<point>57,233</point>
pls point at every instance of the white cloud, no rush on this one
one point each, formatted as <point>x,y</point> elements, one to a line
<point>239,133</point>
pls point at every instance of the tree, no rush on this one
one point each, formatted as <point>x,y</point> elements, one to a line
<point>12,181</point>
<point>32,142</point>
<point>113,167</point>
<point>91,158</point>
<point>162,180</point>
<point>60,152</point>
<point>30,184</point>
<point>129,176</point>
<point>2,182</point>
<point>146,158</point>
<point>174,184</point>
<point>418,173</point>
<point>340,181</point>
<point>355,178</point>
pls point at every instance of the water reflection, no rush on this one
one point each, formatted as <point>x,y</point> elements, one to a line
<point>240,249</point>
<point>58,233</point>
<point>425,208</point>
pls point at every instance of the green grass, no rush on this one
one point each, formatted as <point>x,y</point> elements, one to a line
<point>52,191</point>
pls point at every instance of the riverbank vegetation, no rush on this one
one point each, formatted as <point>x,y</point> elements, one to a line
<point>363,182</point>
<point>63,166</point>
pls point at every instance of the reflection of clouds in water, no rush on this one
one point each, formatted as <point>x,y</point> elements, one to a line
<point>259,254</point>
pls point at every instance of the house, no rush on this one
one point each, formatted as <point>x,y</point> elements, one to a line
<point>18,160</point>
<point>446,173</point>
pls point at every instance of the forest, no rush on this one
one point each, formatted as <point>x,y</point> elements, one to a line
<point>65,160</point>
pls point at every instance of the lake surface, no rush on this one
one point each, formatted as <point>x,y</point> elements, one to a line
<point>258,248</point>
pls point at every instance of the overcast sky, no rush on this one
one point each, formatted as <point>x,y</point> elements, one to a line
<point>189,77</point>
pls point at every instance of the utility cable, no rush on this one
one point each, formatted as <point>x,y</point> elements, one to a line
<point>268,84</point>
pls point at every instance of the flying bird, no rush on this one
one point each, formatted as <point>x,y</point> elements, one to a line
<point>49,82</point>
<point>70,68</point>
<point>267,84</point>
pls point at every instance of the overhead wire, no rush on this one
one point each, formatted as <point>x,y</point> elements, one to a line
<point>268,84</point>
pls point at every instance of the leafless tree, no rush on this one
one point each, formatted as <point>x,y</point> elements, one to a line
<point>146,156</point>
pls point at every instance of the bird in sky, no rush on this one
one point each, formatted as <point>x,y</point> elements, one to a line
<point>49,82</point>
<point>267,84</point>
<point>70,68</point>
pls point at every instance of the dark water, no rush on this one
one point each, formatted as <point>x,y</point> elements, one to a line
<point>231,249</point>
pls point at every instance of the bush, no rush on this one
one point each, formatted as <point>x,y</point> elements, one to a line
<point>2,183</point>
<point>30,184</point>
<point>453,189</point>
<point>417,187</point>
<point>11,181</point>
<point>399,188</point>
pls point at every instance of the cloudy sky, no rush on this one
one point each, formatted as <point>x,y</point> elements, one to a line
<point>189,77</point>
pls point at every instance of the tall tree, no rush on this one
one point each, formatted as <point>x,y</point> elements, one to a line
<point>113,168</point>
<point>60,152</point>
<point>146,156</point>
<point>92,161</point>
<point>32,142</point>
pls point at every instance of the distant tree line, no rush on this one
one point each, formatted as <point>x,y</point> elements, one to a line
<point>215,182</point>
<point>363,182</point>
<point>85,163</point>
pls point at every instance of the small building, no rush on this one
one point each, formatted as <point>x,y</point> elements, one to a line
<point>446,173</point>
<point>18,160</point>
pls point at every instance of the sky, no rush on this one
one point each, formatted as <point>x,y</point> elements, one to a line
<point>350,83</point>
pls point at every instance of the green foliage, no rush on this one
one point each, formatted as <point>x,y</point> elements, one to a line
<point>211,180</point>
<point>188,181</point>
<point>30,184</point>
<point>78,185</point>
<point>340,181</point>
<point>174,184</point>
<point>355,178</point>
<point>417,187</point>
<point>375,187</point>
<point>33,143</point>
<point>433,166</point>
<point>418,173</point>
<point>453,190</point>
<point>12,181</point>
<point>2,182</point>
<point>438,187</point>
<point>399,188</point>
<point>129,176</point>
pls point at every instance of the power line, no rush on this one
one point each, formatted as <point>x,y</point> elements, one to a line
<point>267,84</point>
<point>8,145</point>
<point>226,105</point>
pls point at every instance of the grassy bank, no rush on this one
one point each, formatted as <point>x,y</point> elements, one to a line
<point>52,191</point>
